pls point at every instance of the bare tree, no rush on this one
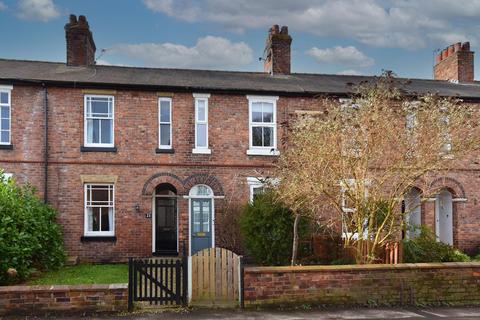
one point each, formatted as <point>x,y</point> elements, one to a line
<point>353,164</point>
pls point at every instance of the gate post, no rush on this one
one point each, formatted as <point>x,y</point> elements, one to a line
<point>130,284</point>
<point>185,280</point>
<point>241,281</point>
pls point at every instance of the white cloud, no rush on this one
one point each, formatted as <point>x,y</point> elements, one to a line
<point>349,72</point>
<point>3,6</point>
<point>344,56</point>
<point>409,24</point>
<point>209,52</point>
<point>37,10</point>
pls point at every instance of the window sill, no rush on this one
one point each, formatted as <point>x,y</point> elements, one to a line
<point>98,239</point>
<point>6,146</point>
<point>98,149</point>
<point>263,152</point>
<point>201,151</point>
<point>159,150</point>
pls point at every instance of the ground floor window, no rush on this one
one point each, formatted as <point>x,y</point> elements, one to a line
<point>99,210</point>
<point>256,187</point>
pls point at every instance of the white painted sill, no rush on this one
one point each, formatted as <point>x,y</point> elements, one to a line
<point>263,152</point>
<point>201,151</point>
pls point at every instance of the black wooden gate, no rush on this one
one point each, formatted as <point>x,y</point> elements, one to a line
<point>157,281</point>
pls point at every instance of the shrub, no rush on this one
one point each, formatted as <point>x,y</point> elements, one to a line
<point>426,248</point>
<point>29,236</point>
<point>267,227</point>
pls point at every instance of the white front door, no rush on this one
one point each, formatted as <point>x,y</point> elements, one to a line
<point>444,217</point>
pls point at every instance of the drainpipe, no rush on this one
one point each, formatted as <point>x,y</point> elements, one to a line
<point>45,187</point>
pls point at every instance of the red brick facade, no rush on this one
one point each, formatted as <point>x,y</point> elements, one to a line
<point>136,168</point>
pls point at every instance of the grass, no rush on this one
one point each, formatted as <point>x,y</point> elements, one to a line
<point>84,274</point>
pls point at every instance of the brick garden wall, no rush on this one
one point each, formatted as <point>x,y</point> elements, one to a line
<point>62,298</point>
<point>402,284</point>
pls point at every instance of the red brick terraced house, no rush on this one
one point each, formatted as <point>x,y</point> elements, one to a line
<point>140,161</point>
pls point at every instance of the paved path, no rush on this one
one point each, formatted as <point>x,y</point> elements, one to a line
<point>350,314</point>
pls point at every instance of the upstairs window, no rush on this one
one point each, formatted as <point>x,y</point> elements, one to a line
<point>99,117</point>
<point>201,123</point>
<point>262,125</point>
<point>165,123</point>
<point>99,210</point>
<point>5,115</point>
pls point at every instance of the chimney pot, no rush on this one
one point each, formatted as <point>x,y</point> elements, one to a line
<point>459,67</point>
<point>275,29</point>
<point>284,30</point>
<point>73,18</point>
<point>457,46</point>
<point>450,50</point>
<point>444,54</point>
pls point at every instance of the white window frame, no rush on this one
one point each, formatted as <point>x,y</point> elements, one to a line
<point>85,214</point>
<point>8,91</point>
<point>201,149</point>
<point>160,146</point>
<point>263,151</point>
<point>85,126</point>
<point>254,183</point>
<point>347,210</point>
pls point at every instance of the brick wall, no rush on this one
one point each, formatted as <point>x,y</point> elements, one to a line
<point>138,168</point>
<point>62,298</point>
<point>403,284</point>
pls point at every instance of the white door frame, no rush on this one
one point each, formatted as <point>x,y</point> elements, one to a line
<point>190,220</point>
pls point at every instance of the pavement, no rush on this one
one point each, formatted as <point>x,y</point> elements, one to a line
<point>350,314</point>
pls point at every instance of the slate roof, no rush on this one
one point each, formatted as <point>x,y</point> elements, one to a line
<point>207,80</point>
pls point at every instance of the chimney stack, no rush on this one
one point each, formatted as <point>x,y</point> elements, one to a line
<point>277,51</point>
<point>80,45</point>
<point>455,63</point>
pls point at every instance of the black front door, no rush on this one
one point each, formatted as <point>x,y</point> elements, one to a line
<point>166,226</point>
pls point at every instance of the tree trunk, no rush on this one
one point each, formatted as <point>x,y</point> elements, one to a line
<point>295,239</point>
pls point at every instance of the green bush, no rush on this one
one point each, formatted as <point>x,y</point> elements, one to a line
<point>267,228</point>
<point>29,236</point>
<point>426,248</point>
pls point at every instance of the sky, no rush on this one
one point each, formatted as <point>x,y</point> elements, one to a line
<point>329,36</point>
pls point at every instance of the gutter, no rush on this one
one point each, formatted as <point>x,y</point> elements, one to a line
<point>45,187</point>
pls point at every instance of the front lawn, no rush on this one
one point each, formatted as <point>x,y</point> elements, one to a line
<point>84,274</point>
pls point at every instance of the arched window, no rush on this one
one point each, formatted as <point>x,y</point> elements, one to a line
<point>201,191</point>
